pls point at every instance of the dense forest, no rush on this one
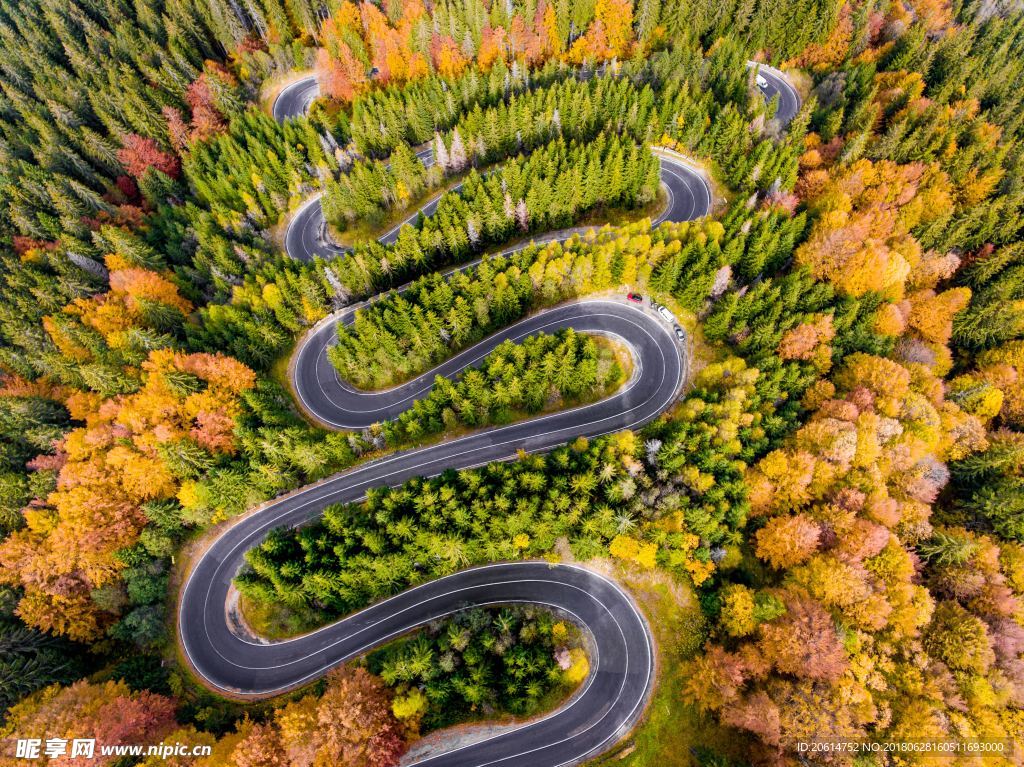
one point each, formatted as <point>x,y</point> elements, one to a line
<point>840,487</point>
<point>544,372</point>
<point>480,660</point>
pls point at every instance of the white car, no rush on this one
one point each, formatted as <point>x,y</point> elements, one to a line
<point>664,312</point>
<point>761,82</point>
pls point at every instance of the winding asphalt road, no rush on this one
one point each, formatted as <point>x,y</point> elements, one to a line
<point>777,83</point>
<point>689,193</point>
<point>610,702</point>
<point>336,404</point>
<point>689,197</point>
<point>294,99</point>
<point>622,654</point>
<point>622,657</point>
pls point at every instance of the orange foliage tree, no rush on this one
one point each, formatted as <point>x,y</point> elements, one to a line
<point>341,76</point>
<point>393,54</point>
<point>115,462</point>
<point>864,212</point>
<point>139,154</point>
<point>357,38</point>
<point>831,53</point>
<point>132,293</point>
<point>838,508</point>
<point>351,725</point>
<point>110,712</point>
<point>449,61</point>
<point>609,36</point>
<point>933,14</point>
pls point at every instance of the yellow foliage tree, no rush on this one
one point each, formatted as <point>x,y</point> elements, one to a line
<point>113,464</point>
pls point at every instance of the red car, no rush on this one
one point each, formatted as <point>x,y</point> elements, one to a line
<point>636,298</point>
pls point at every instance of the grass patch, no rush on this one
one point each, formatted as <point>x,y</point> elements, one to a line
<point>610,353</point>
<point>273,620</point>
<point>671,730</point>
<point>702,353</point>
<point>279,367</point>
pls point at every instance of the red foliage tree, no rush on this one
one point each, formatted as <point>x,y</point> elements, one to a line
<point>139,154</point>
<point>109,712</point>
<point>714,679</point>
<point>351,725</point>
<point>756,713</point>
<point>342,77</point>
<point>356,725</point>
<point>207,120</point>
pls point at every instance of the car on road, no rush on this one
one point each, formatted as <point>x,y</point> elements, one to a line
<point>664,312</point>
<point>636,298</point>
<point>761,82</point>
<point>679,333</point>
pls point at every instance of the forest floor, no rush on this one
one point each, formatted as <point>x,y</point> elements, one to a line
<point>275,621</point>
<point>620,216</point>
<point>699,352</point>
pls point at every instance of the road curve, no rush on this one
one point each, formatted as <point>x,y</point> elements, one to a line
<point>336,404</point>
<point>306,237</point>
<point>610,702</point>
<point>622,657</point>
<point>622,654</point>
<point>778,83</point>
<point>294,99</point>
<point>622,664</point>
